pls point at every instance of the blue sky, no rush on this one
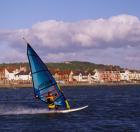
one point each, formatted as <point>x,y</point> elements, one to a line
<point>24,13</point>
<point>99,31</point>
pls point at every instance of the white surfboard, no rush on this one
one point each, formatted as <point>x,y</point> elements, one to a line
<point>68,110</point>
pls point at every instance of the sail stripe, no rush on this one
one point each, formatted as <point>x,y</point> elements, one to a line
<point>39,71</point>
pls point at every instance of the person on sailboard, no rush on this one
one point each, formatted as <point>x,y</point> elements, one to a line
<point>50,99</point>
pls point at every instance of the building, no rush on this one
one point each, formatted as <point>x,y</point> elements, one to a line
<point>124,75</point>
<point>23,75</point>
<point>134,76</point>
<point>106,75</point>
<point>10,73</point>
<point>79,76</point>
<point>62,76</point>
<point>2,73</point>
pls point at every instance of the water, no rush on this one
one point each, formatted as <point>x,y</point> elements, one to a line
<point>111,109</point>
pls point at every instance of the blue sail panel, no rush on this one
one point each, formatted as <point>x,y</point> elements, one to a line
<point>43,80</point>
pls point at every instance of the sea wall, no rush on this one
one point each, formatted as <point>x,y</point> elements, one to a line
<point>66,85</point>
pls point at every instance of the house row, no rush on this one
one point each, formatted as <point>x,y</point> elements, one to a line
<point>15,74</point>
<point>96,76</point>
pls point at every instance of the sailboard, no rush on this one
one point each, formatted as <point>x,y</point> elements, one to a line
<point>68,110</point>
<point>44,83</point>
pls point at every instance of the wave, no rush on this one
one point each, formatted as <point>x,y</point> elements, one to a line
<point>20,110</point>
<point>24,111</point>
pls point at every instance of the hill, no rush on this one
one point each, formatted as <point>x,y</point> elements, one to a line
<point>71,65</point>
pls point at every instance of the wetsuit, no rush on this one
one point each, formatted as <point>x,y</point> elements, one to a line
<point>50,100</point>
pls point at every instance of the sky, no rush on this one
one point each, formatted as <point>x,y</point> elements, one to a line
<point>98,31</point>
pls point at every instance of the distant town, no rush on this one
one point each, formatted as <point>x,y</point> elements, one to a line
<point>70,73</point>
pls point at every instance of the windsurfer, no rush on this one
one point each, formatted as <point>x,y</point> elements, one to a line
<point>50,99</point>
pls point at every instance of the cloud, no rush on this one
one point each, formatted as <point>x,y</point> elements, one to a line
<point>112,41</point>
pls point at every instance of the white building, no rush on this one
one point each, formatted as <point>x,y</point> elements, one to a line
<point>79,76</point>
<point>10,74</point>
<point>17,74</point>
<point>124,75</point>
<point>23,76</point>
<point>134,76</point>
<point>96,76</point>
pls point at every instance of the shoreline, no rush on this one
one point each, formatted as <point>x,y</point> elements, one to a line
<point>68,85</point>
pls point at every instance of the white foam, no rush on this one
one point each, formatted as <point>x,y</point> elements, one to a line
<point>22,111</point>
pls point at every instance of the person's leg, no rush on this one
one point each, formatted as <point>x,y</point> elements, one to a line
<point>56,107</point>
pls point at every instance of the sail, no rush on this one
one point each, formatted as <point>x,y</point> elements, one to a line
<point>43,81</point>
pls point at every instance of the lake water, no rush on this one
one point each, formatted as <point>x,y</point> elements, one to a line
<point>111,109</point>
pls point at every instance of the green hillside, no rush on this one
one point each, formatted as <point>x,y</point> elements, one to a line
<point>72,65</point>
<point>77,65</point>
